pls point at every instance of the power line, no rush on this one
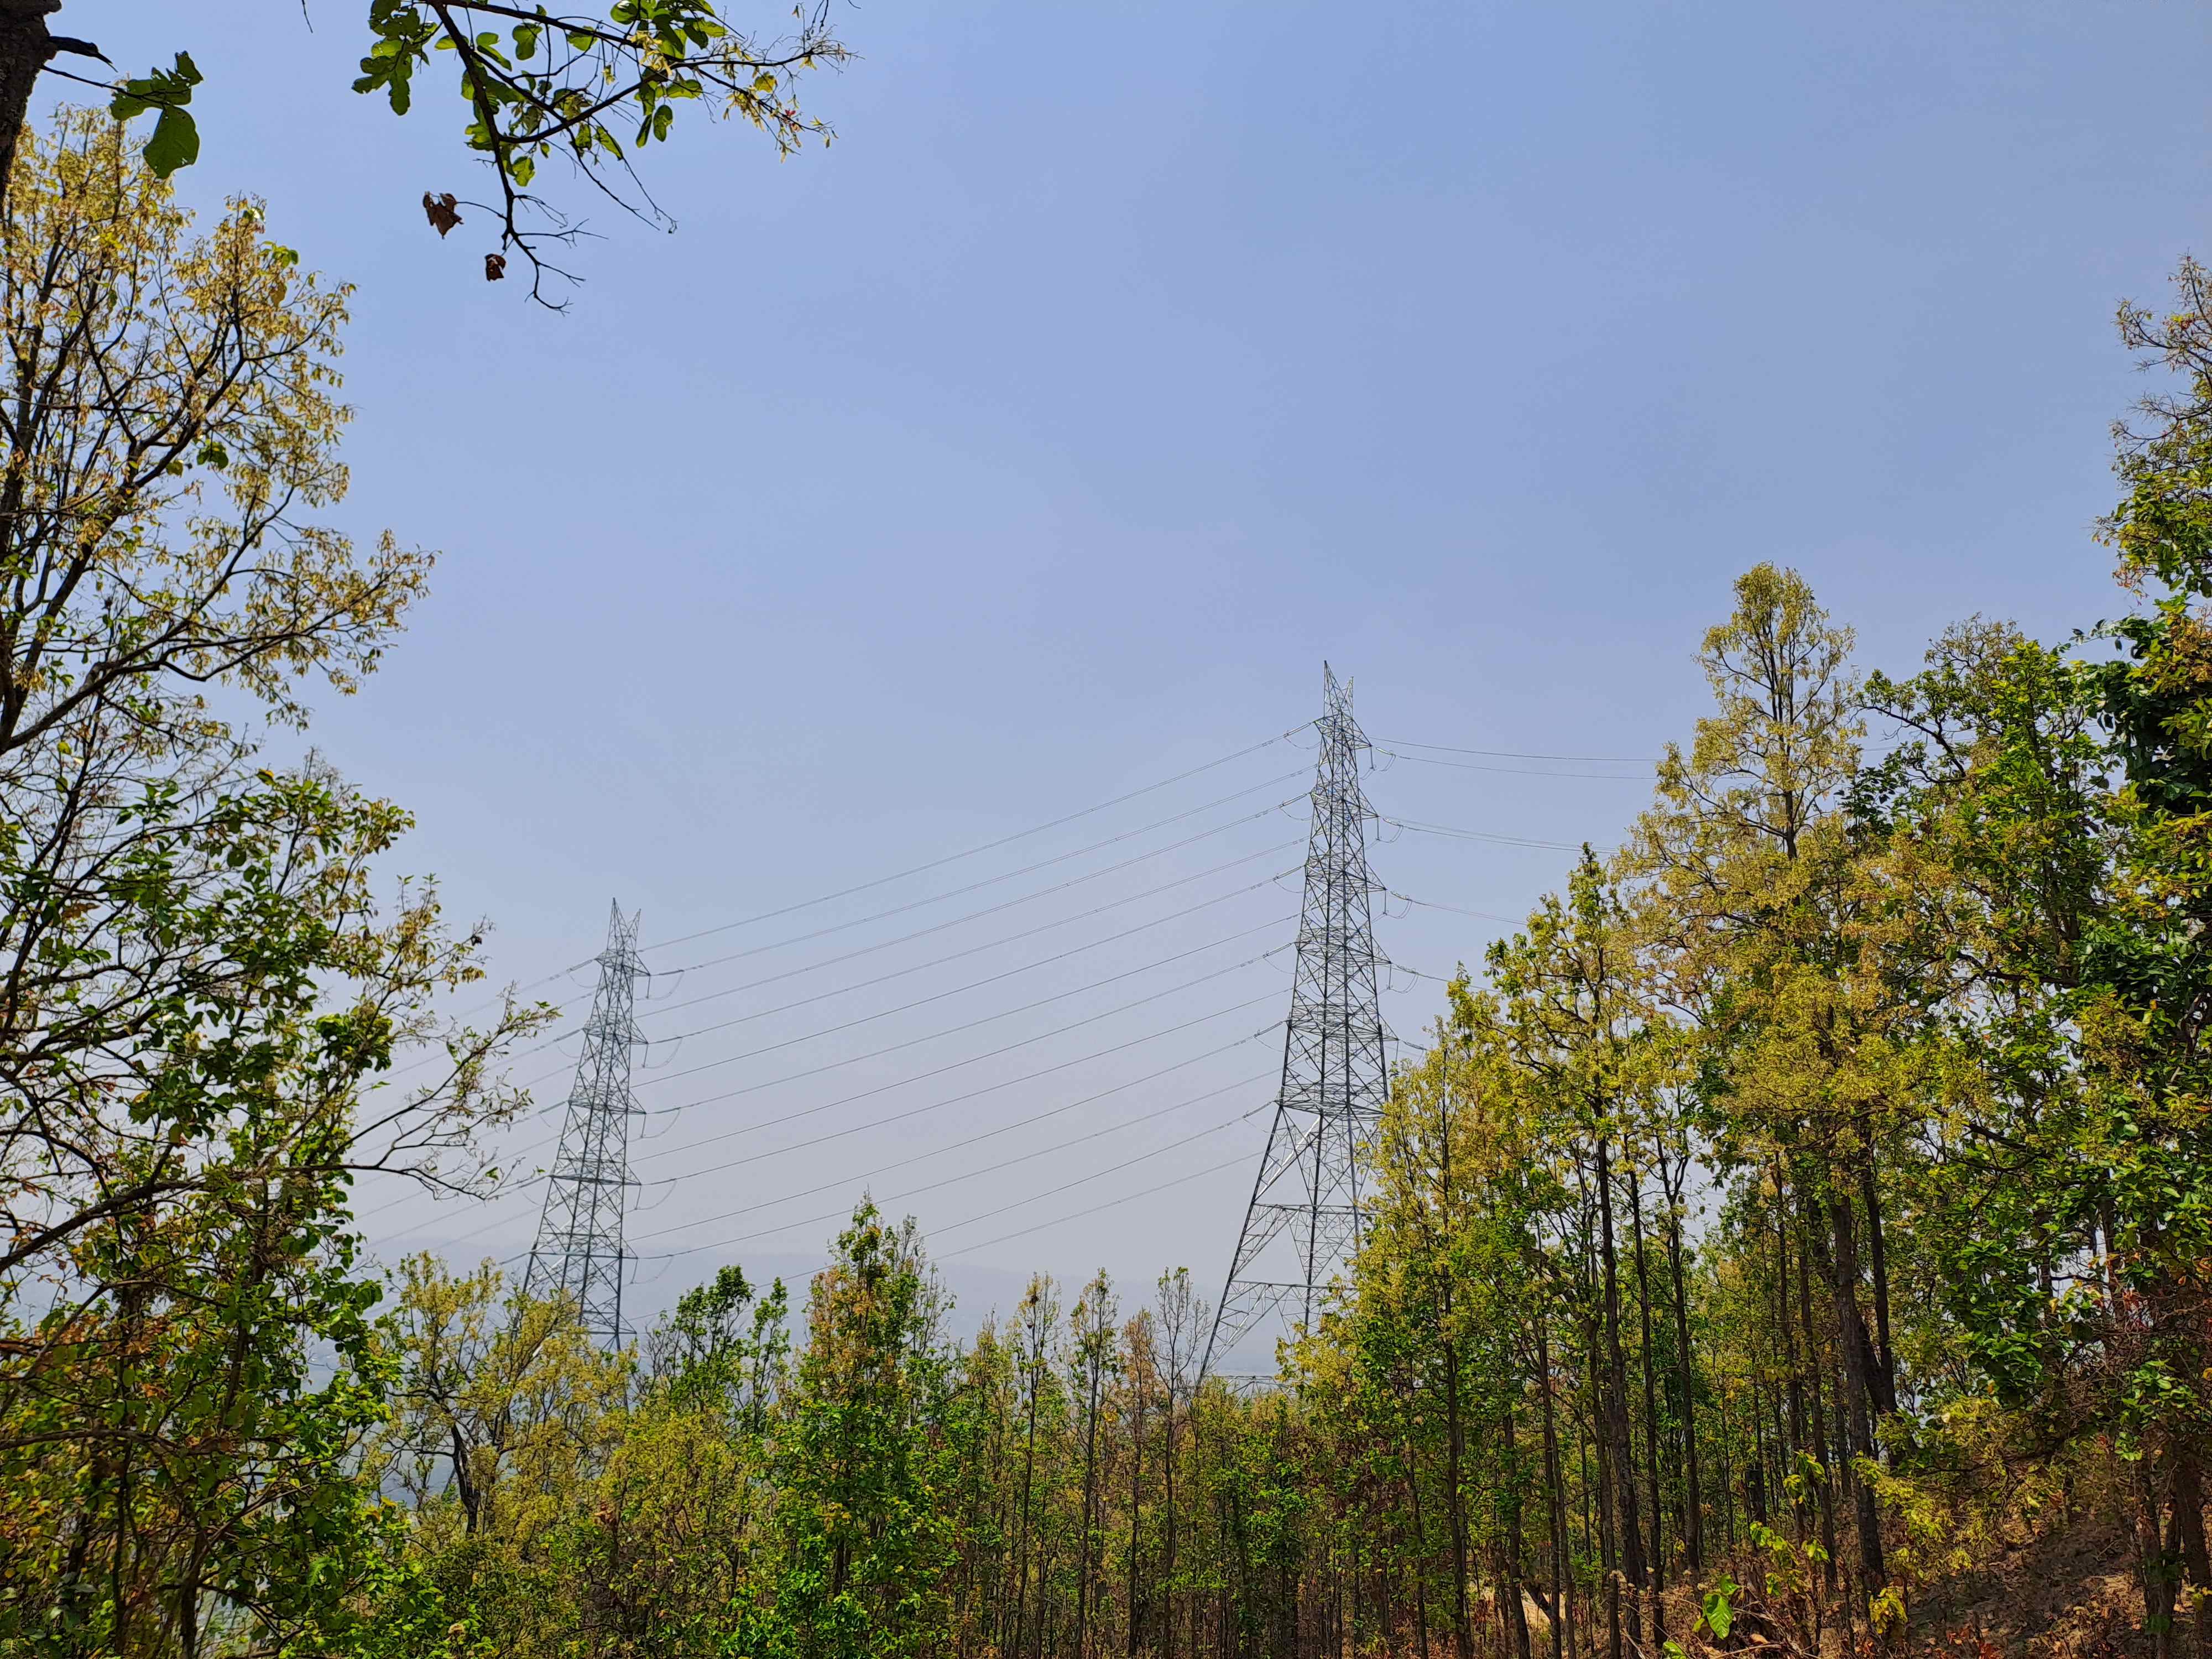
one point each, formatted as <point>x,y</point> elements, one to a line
<point>1006,1013</point>
<point>973,984</point>
<point>1078,1215</point>
<point>1073,881</point>
<point>1481,835</point>
<point>771,979</point>
<point>947,1031</point>
<point>954,858</point>
<point>1515,754</point>
<point>920,1111</point>
<point>1514,771</point>
<point>988,944</point>
<point>484,1227</point>
<point>919,1077</point>
<point>919,869</point>
<point>885,1088</point>
<point>956,1100</point>
<point>1029,869</point>
<point>1460,910</point>
<point>971,1174</point>
<point>916,904</point>
<point>1050,1191</point>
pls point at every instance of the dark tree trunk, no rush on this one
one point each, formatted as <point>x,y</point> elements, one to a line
<point>1727,1474</point>
<point>1516,1614</point>
<point>1878,1259</point>
<point>1794,1380</point>
<point>1622,1454</point>
<point>1608,1529</point>
<point>1858,1387</point>
<point>1420,1548</point>
<point>1136,1515</point>
<point>1650,1408</point>
<point>1818,1424</point>
<point>2188,1537</point>
<point>2155,1563</point>
<point>1168,1544</point>
<point>25,48</point>
<point>1090,1509</point>
<point>1022,1547</point>
<point>1455,1505</point>
<point>1555,1501</point>
<point>1755,1474</point>
<point>1694,1519</point>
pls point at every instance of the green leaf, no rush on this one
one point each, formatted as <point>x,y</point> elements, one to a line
<point>1719,1611</point>
<point>175,142</point>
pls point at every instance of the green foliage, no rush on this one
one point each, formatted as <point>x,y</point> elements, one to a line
<point>720,1350</point>
<point>863,1547</point>
<point>176,139</point>
<point>205,993</point>
<point>592,88</point>
<point>1716,1608</point>
<point>1803,1206</point>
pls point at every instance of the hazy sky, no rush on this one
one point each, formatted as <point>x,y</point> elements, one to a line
<point>1039,439</point>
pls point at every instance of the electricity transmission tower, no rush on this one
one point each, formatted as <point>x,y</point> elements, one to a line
<point>1303,1223</point>
<point>579,1254</point>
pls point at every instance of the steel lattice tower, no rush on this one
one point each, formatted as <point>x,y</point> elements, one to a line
<point>579,1254</point>
<point>1303,1223</point>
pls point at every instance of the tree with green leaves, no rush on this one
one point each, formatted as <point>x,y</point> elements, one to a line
<point>1756,890</point>
<point>589,89</point>
<point>1574,1018</point>
<point>205,979</point>
<point>866,1555</point>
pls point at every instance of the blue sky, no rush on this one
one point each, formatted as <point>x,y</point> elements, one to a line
<point>1119,363</point>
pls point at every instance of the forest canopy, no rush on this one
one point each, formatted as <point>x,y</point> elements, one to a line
<point>1806,1210</point>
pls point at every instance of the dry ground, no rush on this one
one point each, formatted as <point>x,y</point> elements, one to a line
<point>2067,1593</point>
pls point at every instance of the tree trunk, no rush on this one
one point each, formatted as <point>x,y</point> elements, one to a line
<point>2154,1563</point>
<point>1616,1397</point>
<point>1555,1505</point>
<point>1650,1408</point>
<point>25,48</point>
<point>1858,1387</point>
<point>1420,1548</point>
<point>2188,1537</point>
<point>1022,1547</point>
<point>1089,1507</point>
<point>1608,1530</point>
<point>1693,1520</point>
<point>1755,1474</point>
<point>1136,1511</point>
<point>1456,1505</point>
<point>1168,1543</point>
<point>1794,1382</point>
<point>1516,1613</point>
<point>1818,1426</point>
<point>1878,1259</point>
